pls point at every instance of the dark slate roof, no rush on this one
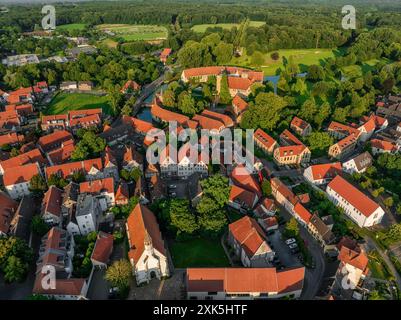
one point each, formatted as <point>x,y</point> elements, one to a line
<point>323,230</point>
<point>364,160</point>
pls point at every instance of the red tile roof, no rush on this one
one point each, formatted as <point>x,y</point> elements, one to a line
<point>32,156</point>
<point>228,122</point>
<point>356,259</point>
<point>52,201</point>
<point>290,150</point>
<point>93,119</point>
<point>299,123</point>
<point>237,280</point>
<point>270,221</point>
<point>103,247</point>
<point>58,117</point>
<point>67,169</point>
<point>71,286</point>
<point>8,207</point>
<point>342,128</point>
<point>130,85</point>
<point>84,113</point>
<point>50,141</point>
<point>208,123</point>
<point>247,232</point>
<point>139,125</point>
<point>241,176</point>
<point>325,171</point>
<point>62,154</point>
<point>238,83</point>
<point>383,145</point>
<point>11,138</point>
<point>23,174</point>
<point>238,194</point>
<point>166,115</point>
<point>369,125</point>
<point>290,138</point>
<point>214,71</point>
<point>302,212</point>
<point>355,197</point>
<point>347,141</point>
<point>264,138</point>
<point>165,53</point>
<point>140,223</point>
<point>97,186</point>
<point>285,191</point>
<point>240,103</point>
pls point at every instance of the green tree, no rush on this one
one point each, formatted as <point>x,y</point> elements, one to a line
<point>181,217</point>
<point>38,226</point>
<point>319,142</point>
<point>257,58</point>
<point>186,103</point>
<point>89,146</point>
<point>55,180</point>
<point>212,218</point>
<point>223,52</point>
<point>275,55</point>
<point>15,269</point>
<point>14,152</point>
<point>217,188</point>
<point>266,188</point>
<point>225,97</point>
<point>37,184</point>
<point>292,228</point>
<point>119,274</point>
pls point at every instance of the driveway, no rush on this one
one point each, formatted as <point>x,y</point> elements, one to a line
<point>282,251</point>
<point>169,289</point>
<point>99,287</point>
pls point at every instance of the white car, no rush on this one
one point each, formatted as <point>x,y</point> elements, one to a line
<point>290,241</point>
<point>293,246</point>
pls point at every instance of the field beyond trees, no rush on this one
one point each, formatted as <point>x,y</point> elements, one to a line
<point>64,102</point>
<point>201,28</point>
<point>131,32</point>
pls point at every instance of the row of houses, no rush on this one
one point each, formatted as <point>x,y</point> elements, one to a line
<point>73,121</point>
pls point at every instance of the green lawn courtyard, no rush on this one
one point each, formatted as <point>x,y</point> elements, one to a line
<point>132,32</point>
<point>64,102</point>
<point>198,253</point>
<point>201,28</point>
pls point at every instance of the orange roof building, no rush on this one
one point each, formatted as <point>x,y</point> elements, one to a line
<point>250,283</point>
<point>92,168</point>
<point>54,140</point>
<point>264,141</point>
<point>102,250</point>
<point>322,173</point>
<point>17,182</point>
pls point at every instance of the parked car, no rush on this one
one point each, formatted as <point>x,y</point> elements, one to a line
<point>290,241</point>
<point>293,246</point>
<point>172,186</point>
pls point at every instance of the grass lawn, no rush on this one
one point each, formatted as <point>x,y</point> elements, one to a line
<point>109,43</point>
<point>201,28</point>
<point>198,253</point>
<point>359,70</point>
<point>378,267</point>
<point>131,32</point>
<point>304,57</point>
<point>71,26</point>
<point>64,102</point>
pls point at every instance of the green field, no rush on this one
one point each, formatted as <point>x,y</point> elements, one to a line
<point>201,28</point>
<point>359,70</point>
<point>198,253</point>
<point>131,32</point>
<point>304,57</point>
<point>71,26</point>
<point>64,102</point>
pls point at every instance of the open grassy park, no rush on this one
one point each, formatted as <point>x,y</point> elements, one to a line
<point>64,102</point>
<point>201,28</point>
<point>131,32</point>
<point>304,57</point>
<point>198,253</point>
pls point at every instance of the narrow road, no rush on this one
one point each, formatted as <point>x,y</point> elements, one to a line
<point>372,244</point>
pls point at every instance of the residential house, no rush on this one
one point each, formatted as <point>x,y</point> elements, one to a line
<point>68,86</point>
<point>33,156</point>
<point>122,194</point>
<point>301,127</point>
<point>241,177</point>
<point>86,218</point>
<point>382,146</point>
<point>243,283</point>
<point>147,253</point>
<point>264,141</point>
<point>17,182</point>
<point>20,225</point>
<point>241,199</point>
<point>166,52</point>
<point>102,251</point>
<point>62,154</point>
<point>322,173</point>
<point>54,140</point>
<point>110,165</point>
<point>301,214</point>
<point>92,169</point>
<point>344,147</point>
<point>66,289</point>
<point>269,224</point>
<point>340,131</point>
<point>11,139</point>
<point>130,87</point>
<point>8,208</point>
<point>237,108</point>
<point>102,189</point>
<point>356,205</point>
<point>292,155</point>
<point>51,206</point>
<point>249,243</point>
<point>54,122</point>
<point>266,207</point>
<point>321,232</point>
<point>358,164</point>
<point>85,85</point>
<point>132,159</point>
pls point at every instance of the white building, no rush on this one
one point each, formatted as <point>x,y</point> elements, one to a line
<point>102,189</point>
<point>249,243</point>
<point>359,164</point>
<point>147,253</point>
<point>322,173</point>
<point>51,206</point>
<point>17,180</point>
<point>243,283</point>
<point>86,217</point>
<point>356,205</point>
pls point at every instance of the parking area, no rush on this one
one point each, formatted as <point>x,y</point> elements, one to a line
<point>283,252</point>
<point>181,188</point>
<point>169,289</point>
<point>99,287</point>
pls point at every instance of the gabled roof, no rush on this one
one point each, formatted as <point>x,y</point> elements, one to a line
<point>131,155</point>
<point>237,280</point>
<point>97,186</point>
<point>67,169</point>
<point>23,174</point>
<point>383,145</point>
<point>130,85</point>
<point>63,153</point>
<point>242,177</point>
<point>299,123</point>
<point>325,171</point>
<point>240,103</point>
<point>238,194</point>
<point>32,156</point>
<point>71,286</point>
<point>52,201</point>
<point>302,212</point>
<point>47,142</point>
<point>228,122</point>
<point>342,128</point>
<point>8,207</point>
<point>287,151</point>
<point>369,125</point>
<point>208,123</point>
<point>355,197</point>
<point>11,138</point>
<point>284,190</point>
<point>362,161</point>
<point>347,141</point>
<point>264,138</point>
<point>165,53</point>
<point>356,259</point>
<point>92,119</point>
<point>166,115</point>
<point>238,83</point>
<point>323,230</point>
<point>103,247</point>
<point>287,136</point>
<point>247,232</point>
<point>142,222</point>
